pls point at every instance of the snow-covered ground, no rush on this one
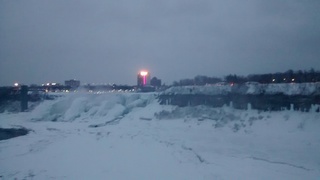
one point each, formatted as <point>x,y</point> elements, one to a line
<point>131,136</point>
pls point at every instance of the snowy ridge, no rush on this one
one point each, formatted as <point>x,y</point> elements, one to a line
<point>132,136</point>
<point>250,88</point>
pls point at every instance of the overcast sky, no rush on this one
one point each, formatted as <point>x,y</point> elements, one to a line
<point>109,41</point>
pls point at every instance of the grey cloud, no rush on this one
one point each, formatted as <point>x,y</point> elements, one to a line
<point>109,41</point>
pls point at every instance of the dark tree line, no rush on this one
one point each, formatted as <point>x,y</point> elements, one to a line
<point>289,76</point>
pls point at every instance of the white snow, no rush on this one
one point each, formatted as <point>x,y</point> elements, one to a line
<point>131,136</point>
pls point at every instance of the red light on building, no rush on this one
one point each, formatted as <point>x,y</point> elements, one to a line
<point>143,78</point>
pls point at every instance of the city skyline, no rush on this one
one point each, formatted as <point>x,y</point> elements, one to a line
<point>105,41</point>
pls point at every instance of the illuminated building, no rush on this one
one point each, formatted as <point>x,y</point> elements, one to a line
<point>72,83</point>
<point>155,82</point>
<point>143,78</point>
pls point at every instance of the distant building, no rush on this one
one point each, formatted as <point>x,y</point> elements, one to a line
<point>143,78</point>
<point>72,83</point>
<point>155,82</point>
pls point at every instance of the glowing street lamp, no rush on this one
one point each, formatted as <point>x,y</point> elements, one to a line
<point>16,84</point>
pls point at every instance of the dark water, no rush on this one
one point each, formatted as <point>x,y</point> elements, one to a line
<point>12,132</point>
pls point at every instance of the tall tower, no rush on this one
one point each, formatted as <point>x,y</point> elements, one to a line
<point>143,78</point>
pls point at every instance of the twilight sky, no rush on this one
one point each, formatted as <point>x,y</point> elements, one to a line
<point>109,41</point>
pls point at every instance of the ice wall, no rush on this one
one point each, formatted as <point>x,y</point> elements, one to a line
<point>85,107</point>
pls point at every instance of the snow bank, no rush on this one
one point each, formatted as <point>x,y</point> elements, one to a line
<point>210,90</point>
<point>293,88</point>
<point>249,88</point>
